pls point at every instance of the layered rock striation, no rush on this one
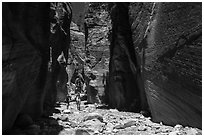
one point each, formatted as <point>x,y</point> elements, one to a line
<point>168,38</point>
<point>167,57</point>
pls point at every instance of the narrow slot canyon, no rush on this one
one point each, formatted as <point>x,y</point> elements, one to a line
<point>101,68</point>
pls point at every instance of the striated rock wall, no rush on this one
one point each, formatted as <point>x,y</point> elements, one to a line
<point>168,37</point>
<point>167,44</point>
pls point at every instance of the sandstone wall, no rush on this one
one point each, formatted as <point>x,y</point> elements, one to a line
<point>126,90</point>
<point>60,20</point>
<point>24,60</point>
<point>27,86</point>
<point>99,26</point>
<point>167,44</point>
<point>98,22</point>
<point>168,37</point>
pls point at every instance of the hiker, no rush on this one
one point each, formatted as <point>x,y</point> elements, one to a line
<point>68,95</point>
<point>78,100</point>
<point>103,79</point>
<point>79,83</point>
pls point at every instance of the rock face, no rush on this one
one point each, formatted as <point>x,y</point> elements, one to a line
<point>76,54</point>
<point>60,15</point>
<point>25,49</point>
<point>167,44</point>
<point>98,23</point>
<point>25,55</point>
<point>168,38</point>
<point>77,43</point>
<point>98,27</point>
<point>126,91</point>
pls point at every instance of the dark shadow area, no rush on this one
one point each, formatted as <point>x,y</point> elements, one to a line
<point>56,110</point>
<point>57,104</point>
<point>46,125</point>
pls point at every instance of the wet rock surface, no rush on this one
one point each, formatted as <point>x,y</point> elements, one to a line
<point>94,121</point>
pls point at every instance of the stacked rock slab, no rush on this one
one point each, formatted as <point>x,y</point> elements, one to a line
<point>168,37</point>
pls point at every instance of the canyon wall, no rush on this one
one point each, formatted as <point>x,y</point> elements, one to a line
<point>167,55</point>
<point>98,27</point>
<point>168,37</point>
<point>27,85</point>
<point>154,50</point>
<point>24,60</point>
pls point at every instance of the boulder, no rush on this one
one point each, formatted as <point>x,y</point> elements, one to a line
<point>93,116</point>
<point>109,128</point>
<point>73,124</point>
<point>94,125</point>
<point>191,131</point>
<point>113,110</point>
<point>126,124</point>
<point>142,128</point>
<point>174,133</point>
<point>130,123</point>
<point>81,132</point>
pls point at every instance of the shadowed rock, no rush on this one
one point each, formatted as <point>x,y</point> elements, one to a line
<point>61,15</point>
<point>25,49</point>
<point>25,55</point>
<point>126,91</point>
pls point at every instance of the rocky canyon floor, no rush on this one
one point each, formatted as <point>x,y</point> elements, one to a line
<point>98,120</point>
